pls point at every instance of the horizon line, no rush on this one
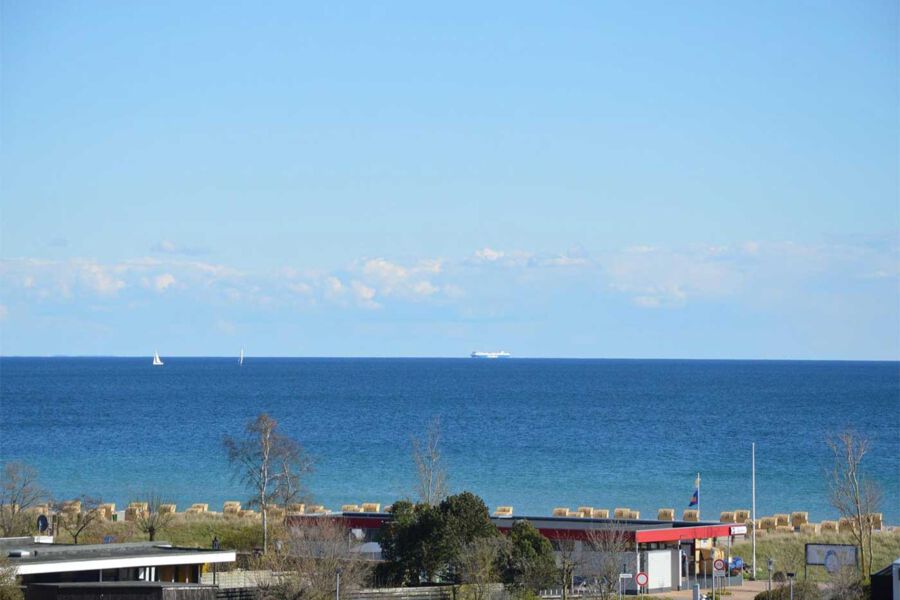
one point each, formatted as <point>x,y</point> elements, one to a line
<point>455,357</point>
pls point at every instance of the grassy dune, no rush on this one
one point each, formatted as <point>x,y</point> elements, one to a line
<point>234,533</point>
<point>788,551</point>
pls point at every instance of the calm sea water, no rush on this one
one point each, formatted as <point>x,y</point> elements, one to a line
<point>531,433</point>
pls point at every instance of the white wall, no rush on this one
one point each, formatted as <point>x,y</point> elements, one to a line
<point>658,566</point>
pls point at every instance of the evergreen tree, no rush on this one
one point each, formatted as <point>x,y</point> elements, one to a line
<point>527,561</point>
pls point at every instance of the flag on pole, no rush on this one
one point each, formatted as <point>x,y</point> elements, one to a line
<point>695,499</point>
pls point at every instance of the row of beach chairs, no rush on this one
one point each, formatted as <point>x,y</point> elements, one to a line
<point>778,523</point>
<point>781,523</point>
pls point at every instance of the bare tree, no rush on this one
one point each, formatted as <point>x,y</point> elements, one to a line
<point>9,586</point>
<point>306,565</point>
<point>569,560</point>
<point>854,496</point>
<point>478,563</point>
<point>605,547</point>
<point>432,476</point>
<point>76,522</point>
<point>290,489</point>
<point>268,463</point>
<point>19,492</point>
<point>153,520</point>
<point>845,585</point>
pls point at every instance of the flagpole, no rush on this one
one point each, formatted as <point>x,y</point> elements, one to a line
<point>698,496</point>
<point>753,506</point>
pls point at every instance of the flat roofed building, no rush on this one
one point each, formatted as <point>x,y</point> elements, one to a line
<point>120,590</point>
<point>37,561</point>
<point>670,552</point>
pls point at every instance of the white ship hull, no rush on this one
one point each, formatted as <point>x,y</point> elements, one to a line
<point>490,355</point>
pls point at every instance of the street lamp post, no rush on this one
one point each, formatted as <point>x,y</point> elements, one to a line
<point>791,580</point>
<point>337,590</point>
<point>771,566</point>
<point>215,546</point>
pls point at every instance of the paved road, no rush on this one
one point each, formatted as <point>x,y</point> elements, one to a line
<point>745,592</point>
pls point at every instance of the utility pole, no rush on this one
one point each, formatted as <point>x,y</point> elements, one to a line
<point>698,496</point>
<point>753,506</point>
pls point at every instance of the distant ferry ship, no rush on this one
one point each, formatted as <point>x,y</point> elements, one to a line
<point>500,354</point>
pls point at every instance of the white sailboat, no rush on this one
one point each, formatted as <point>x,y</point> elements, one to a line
<point>241,360</point>
<point>156,360</point>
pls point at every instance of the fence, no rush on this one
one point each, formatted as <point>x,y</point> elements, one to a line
<point>706,582</point>
<point>241,585</point>
<point>247,593</point>
<point>432,592</point>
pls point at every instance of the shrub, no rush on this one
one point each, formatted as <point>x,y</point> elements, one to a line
<point>803,590</point>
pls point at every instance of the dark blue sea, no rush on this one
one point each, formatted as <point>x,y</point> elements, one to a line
<point>534,434</point>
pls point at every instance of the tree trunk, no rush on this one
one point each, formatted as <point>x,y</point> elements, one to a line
<point>265,524</point>
<point>152,532</point>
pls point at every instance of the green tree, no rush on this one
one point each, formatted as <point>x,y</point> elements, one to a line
<point>527,561</point>
<point>425,543</point>
<point>413,545</point>
<point>479,567</point>
<point>466,520</point>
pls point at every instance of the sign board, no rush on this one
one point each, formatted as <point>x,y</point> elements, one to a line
<point>831,556</point>
<point>719,567</point>
<point>739,530</point>
<point>641,579</point>
<point>625,576</point>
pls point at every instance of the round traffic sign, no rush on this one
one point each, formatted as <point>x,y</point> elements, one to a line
<point>719,565</point>
<point>641,579</point>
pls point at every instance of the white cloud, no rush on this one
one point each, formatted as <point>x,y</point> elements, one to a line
<point>565,261</point>
<point>66,279</point>
<point>167,246</point>
<point>656,278</point>
<point>424,288</point>
<point>365,295</point>
<point>517,259</point>
<point>304,289</point>
<point>384,270</point>
<point>333,287</point>
<point>170,247</point>
<point>489,254</point>
<point>652,277</point>
<point>163,282</point>
<point>101,279</point>
<point>412,282</point>
<point>661,297</point>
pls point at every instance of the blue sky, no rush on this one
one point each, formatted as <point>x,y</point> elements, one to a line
<point>554,179</point>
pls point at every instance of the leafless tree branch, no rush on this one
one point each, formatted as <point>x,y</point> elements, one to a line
<point>431,485</point>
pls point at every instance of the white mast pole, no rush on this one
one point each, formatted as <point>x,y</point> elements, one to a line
<point>698,496</point>
<point>753,505</point>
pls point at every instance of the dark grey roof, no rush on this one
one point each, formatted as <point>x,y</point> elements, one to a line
<point>48,553</point>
